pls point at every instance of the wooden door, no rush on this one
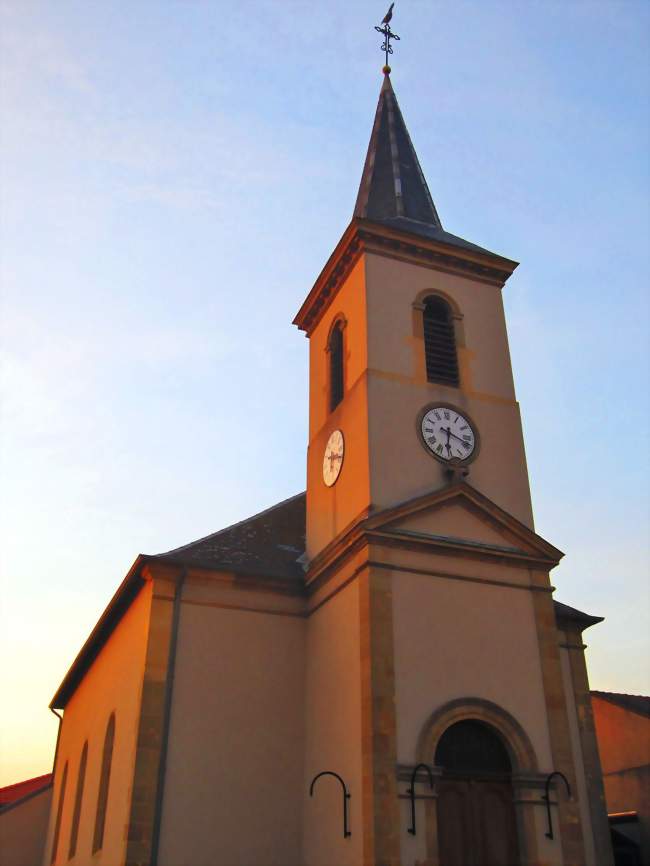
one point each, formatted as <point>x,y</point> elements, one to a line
<point>476,812</point>
<point>476,823</point>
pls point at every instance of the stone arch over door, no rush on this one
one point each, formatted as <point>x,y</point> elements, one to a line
<point>522,759</point>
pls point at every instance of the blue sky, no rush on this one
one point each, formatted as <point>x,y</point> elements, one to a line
<point>174,175</point>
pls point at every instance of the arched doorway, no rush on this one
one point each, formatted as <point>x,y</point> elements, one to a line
<point>476,813</point>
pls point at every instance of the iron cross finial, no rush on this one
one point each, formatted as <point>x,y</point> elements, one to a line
<point>388,34</point>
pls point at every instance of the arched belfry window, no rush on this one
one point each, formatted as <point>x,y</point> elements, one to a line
<point>440,342</point>
<point>104,781</point>
<point>335,348</point>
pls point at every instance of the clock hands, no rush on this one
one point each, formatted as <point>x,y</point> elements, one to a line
<point>447,430</point>
<point>332,457</point>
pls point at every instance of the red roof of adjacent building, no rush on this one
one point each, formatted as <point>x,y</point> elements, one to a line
<point>11,793</point>
<point>635,703</point>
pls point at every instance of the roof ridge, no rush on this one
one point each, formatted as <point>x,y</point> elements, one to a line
<point>638,704</point>
<point>619,694</point>
<point>234,525</point>
<point>395,108</point>
<point>26,781</point>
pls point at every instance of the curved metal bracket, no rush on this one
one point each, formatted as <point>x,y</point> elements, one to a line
<point>346,797</point>
<point>411,792</point>
<point>547,796</point>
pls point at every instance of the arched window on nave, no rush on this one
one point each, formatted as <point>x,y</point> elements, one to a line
<point>59,813</point>
<point>78,800</point>
<point>104,782</point>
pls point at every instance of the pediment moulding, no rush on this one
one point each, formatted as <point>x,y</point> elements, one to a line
<point>532,550</point>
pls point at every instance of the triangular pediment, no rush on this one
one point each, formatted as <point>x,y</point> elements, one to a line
<point>460,516</point>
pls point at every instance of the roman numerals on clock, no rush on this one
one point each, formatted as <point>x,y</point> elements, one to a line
<point>448,435</point>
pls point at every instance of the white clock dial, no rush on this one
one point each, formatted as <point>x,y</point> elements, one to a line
<point>448,435</point>
<point>333,458</point>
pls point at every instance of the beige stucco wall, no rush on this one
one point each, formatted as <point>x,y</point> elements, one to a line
<point>234,776</point>
<point>331,509</point>
<point>113,684</point>
<point>398,389</point>
<point>333,731</point>
<point>457,639</point>
<point>22,830</point>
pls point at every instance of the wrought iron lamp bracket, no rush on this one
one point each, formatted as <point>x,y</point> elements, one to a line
<point>411,792</point>
<point>547,797</point>
<point>346,797</point>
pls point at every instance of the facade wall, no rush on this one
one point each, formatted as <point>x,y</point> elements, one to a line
<point>23,827</point>
<point>113,684</point>
<point>457,639</point>
<point>234,773</point>
<point>333,731</point>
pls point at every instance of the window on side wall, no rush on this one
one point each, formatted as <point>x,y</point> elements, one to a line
<point>104,782</point>
<point>335,348</point>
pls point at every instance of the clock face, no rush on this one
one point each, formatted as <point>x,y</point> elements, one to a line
<point>448,435</point>
<point>333,458</point>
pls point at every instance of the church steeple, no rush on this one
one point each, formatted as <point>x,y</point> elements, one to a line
<point>393,188</point>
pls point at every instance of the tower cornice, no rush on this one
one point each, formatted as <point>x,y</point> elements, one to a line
<point>432,248</point>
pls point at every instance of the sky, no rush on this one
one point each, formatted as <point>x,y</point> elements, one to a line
<point>174,174</point>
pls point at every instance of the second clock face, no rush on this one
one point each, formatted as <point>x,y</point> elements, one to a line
<point>333,458</point>
<point>448,435</point>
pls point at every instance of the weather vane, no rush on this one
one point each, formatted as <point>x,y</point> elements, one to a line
<point>388,34</point>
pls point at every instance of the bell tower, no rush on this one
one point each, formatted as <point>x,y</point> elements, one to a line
<point>405,318</point>
<point>429,597</point>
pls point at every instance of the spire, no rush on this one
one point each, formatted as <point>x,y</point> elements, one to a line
<point>392,184</point>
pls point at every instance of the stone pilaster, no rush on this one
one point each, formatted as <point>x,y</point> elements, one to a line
<point>589,745</point>
<point>381,840</point>
<point>150,742</point>
<point>568,812</point>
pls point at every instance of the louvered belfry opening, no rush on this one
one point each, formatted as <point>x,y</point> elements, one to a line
<point>440,342</point>
<point>336,366</point>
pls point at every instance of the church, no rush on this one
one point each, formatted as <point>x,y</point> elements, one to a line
<point>373,672</point>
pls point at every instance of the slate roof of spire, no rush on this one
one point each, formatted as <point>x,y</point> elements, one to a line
<point>393,190</point>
